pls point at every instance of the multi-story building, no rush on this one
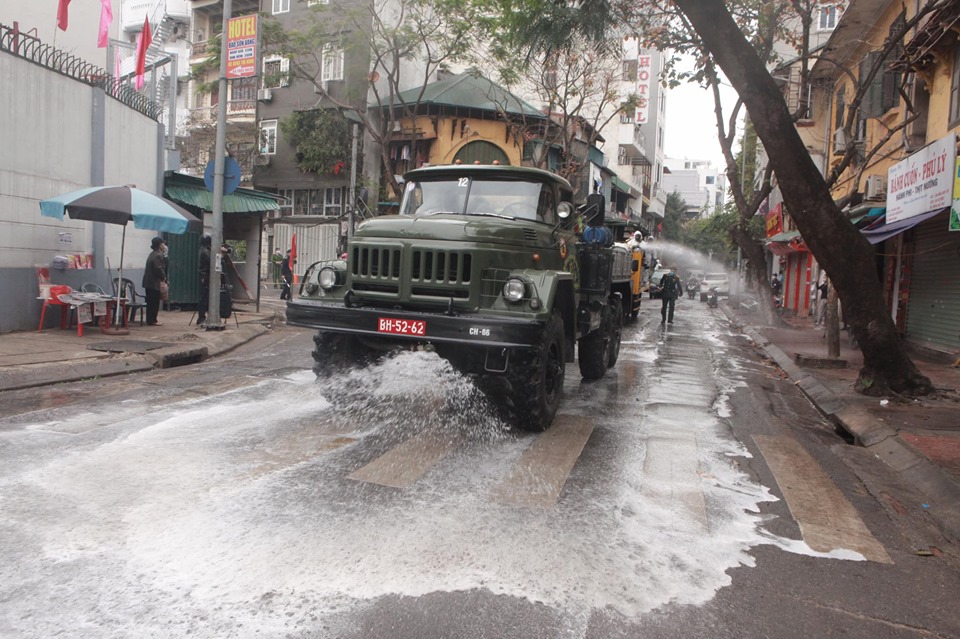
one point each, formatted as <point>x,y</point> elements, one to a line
<point>701,185</point>
<point>634,145</point>
<point>908,219</point>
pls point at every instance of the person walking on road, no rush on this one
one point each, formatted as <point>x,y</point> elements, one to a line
<point>286,277</point>
<point>670,289</point>
<point>154,277</point>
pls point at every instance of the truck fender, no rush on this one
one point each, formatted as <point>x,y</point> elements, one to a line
<point>556,291</point>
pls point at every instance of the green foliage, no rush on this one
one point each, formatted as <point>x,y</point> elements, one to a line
<point>711,236</point>
<point>673,215</point>
<point>321,139</point>
<point>203,69</point>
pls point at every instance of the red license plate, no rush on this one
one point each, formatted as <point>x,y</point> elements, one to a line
<point>401,326</point>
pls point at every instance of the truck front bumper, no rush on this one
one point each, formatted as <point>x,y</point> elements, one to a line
<point>474,329</point>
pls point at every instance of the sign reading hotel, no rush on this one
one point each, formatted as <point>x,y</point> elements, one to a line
<point>923,182</point>
<point>242,47</point>
<point>643,88</point>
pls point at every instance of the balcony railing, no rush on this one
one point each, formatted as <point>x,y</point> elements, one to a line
<point>234,108</point>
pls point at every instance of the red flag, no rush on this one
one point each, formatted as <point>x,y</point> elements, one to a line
<point>62,14</point>
<point>293,251</point>
<point>143,43</point>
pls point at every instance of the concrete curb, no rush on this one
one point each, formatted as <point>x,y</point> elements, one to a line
<point>883,441</point>
<point>34,375</point>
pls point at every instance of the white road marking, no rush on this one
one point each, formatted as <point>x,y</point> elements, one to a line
<point>407,462</point>
<point>536,479</point>
<point>827,520</point>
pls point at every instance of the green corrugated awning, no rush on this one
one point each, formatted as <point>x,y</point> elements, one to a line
<point>189,190</point>
<point>786,236</point>
<point>619,184</point>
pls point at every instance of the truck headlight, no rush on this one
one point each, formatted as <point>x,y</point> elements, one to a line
<point>328,278</point>
<point>514,290</point>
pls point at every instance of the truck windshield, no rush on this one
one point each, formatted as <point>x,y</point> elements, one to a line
<point>468,196</point>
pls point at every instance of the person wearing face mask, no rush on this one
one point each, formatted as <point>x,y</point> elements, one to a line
<point>155,278</point>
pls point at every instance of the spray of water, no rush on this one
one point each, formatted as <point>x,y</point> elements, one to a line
<point>682,257</point>
<point>414,392</point>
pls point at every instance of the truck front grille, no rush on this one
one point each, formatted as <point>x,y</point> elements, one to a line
<point>376,263</point>
<point>440,267</point>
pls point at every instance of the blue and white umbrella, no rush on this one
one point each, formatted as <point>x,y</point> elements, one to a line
<point>120,205</point>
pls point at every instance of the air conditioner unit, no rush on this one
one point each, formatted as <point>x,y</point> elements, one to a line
<point>839,142</point>
<point>265,95</point>
<point>876,187</point>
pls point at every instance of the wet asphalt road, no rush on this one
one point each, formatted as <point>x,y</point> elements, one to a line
<point>691,492</point>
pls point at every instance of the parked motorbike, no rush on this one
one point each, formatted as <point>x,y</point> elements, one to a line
<point>712,297</point>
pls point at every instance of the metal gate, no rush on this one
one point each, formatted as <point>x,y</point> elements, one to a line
<point>315,242</point>
<point>933,313</point>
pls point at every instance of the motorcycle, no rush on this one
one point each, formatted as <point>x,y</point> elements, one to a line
<point>712,297</point>
<point>693,288</point>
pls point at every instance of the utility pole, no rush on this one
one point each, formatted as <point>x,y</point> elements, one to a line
<point>353,183</point>
<point>216,233</point>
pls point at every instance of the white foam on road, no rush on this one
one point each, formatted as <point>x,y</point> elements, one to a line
<point>158,533</point>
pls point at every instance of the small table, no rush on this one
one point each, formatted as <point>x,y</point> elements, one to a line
<point>90,305</point>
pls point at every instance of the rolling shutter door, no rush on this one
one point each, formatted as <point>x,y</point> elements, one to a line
<point>933,315</point>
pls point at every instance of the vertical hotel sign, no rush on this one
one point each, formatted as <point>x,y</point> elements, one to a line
<point>242,47</point>
<point>643,88</point>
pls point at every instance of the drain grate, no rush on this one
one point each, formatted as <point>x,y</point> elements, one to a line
<point>128,346</point>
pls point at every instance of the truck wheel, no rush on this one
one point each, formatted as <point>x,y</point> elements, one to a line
<point>536,384</point>
<point>616,333</point>
<point>594,349</point>
<point>335,353</point>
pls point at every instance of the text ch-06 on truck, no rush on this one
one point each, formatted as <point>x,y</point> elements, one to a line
<point>486,265</point>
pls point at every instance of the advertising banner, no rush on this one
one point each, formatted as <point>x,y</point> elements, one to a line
<point>955,208</point>
<point>922,182</point>
<point>242,47</point>
<point>775,220</point>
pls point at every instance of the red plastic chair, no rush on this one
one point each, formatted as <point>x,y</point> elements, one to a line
<point>54,300</point>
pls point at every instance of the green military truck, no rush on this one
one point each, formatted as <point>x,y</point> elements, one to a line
<point>489,267</point>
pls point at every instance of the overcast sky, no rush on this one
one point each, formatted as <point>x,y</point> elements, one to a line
<point>691,130</point>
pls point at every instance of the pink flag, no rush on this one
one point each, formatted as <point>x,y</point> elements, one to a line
<point>106,17</point>
<point>143,43</point>
<point>62,14</point>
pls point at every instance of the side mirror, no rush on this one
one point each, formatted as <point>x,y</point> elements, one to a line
<point>635,266</point>
<point>564,210</point>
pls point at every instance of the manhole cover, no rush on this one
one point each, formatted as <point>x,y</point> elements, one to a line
<point>127,346</point>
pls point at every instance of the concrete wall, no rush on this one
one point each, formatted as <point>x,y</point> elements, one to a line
<point>63,135</point>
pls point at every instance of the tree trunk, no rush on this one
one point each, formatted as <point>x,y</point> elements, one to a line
<point>839,247</point>
<point>757,273</point>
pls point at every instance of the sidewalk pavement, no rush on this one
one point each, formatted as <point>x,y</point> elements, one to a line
<point>31,358</point>
<point>919,439</point>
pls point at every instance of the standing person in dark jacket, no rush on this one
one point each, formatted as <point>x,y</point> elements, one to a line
<point>286,277</point>
<point>204,269</point>
<point>154,273</point>
<point>670,290</point>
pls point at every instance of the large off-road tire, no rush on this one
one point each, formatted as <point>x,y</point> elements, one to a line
<point>336,353</point>
<point>536,383</point>
<point>594,349</point>
<point>616,334</point>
